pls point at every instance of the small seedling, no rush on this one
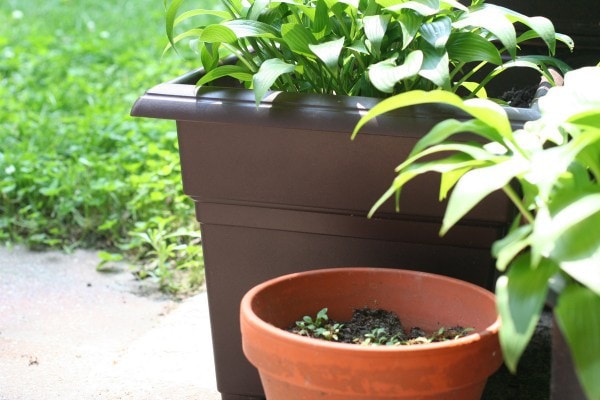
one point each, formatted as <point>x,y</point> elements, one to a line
<point>318,327</point>
<point>379,337</point>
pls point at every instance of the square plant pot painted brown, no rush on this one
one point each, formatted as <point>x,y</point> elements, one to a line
<point>282,188</point>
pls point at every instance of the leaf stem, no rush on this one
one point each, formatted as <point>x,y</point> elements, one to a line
<point>512,195</point>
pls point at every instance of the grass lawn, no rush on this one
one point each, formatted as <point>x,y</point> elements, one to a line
<point>75,169</point>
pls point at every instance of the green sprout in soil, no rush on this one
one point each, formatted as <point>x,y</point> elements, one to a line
<point>370,327</point>
<point>319,327</point>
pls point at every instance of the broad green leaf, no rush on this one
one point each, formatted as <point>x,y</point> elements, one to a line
<point>375,27</point>
<point>410,24</point>
<point>171,15</point>
<point>575,230</point>
<point>187,34</point>
<point>454,4</point>
<point>486,111</point>
<point>520,297</point>
<point>477,184</point>
<point>436,33</point>
<point>209,55</point>
<point>224,15</point>
<point>423,7</point>
<point>578,317</point>
<point>410,169</point>
<point>235,71</point>
<point>268,73</point>
<point>449,178</point>
<point>447,128</point>
<point>386,74</point>
<point>471,47</point>
<point>246,28</point>
<point>298,38</point>
<point>359,47</point>
<point>474,88</point>
<point>321,22</point>
<point>507,248</point>
<point>542,26</point>
<point>257,7</point>
<point>218,34</point>
<point>435,67</point>
<point>329,52</point>
<point>494,21</point>
<point>585,271</point>
<point>352,3</point>
<point>565,39</point>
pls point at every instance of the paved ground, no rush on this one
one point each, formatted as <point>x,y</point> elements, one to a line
<point>69,332</point>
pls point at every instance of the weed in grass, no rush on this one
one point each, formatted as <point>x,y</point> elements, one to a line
<point>75,169</point>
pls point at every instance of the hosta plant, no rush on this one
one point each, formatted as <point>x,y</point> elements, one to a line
<point>550,169</point>
<point>371,48</point>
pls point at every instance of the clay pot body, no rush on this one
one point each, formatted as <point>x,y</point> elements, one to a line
<point>293,367</point>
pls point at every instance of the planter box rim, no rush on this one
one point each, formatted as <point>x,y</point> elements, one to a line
<point>180,99</point>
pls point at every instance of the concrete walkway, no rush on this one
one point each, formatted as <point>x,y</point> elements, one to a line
<point>69,332</point>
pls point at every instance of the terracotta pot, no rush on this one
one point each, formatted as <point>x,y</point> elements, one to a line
<point>293,367</point>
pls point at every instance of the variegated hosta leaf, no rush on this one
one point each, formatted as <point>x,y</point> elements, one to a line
<point>493,21</point>
<point>269,72</point>
<point>329,53</point>
<point>385,75</point>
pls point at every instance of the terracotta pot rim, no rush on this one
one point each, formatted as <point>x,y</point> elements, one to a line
<point>281,334</point>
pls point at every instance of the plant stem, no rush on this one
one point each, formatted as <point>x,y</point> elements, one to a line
<point>512,195</point>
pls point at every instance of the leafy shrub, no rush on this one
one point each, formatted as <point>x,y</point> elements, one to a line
<point>75,170</point>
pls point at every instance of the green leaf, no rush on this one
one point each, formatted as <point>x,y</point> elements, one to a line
<point>492,20</point>
<point>321,22</point>
<point>437,32</point>
<point>245,28</point>
<point>410,168</point>
<point>435,67</point>
<point>470,47</point>
<point>585,271</point>
<point>209,56</point>
<point>574,228</point>
<point>329,52</point>
<point>218,34</point>
<point>235,71</point>
<point>269,72</point>
<point>578,317</point>
<point>171,15</point>
<point>542,26</point>
<point>410,24</point>
<point>224,15</point>
<point>298,38</point>
<point>520,297</point>
<point>257,7</point>
<point>423,7</point>
<point>447,128</point>
<point>385,74</point>
<point>507,248</point>
<point>486,111</point>
<point>375,27</point>
<point>477,184</point>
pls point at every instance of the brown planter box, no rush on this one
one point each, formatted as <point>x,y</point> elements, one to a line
<point>282,189</point>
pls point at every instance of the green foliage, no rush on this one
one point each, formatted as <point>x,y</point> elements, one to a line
<point>379,337</point>
<point>75,169</point>
<point>318,327</point>
<point>360,47</point>
<point>554,163</point>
